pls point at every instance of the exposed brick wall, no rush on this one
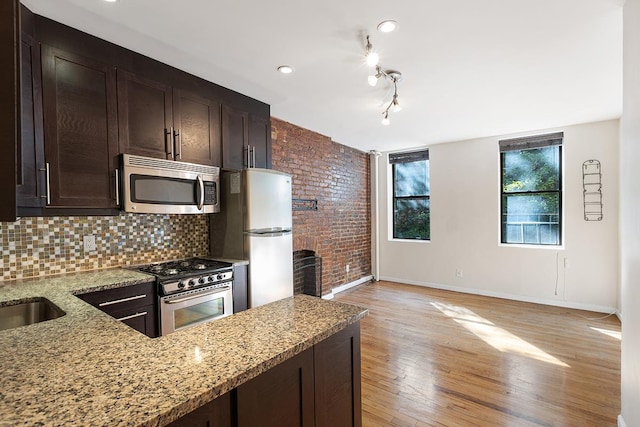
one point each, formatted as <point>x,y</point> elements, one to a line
<point>338,177</point>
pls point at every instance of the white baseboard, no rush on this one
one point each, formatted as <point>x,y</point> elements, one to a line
<point>619,315</point>
<point>565,304</point>
<point>344,287</point>
<point>621,422</point>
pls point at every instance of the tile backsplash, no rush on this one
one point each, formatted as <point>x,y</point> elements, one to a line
<point>34,247</point>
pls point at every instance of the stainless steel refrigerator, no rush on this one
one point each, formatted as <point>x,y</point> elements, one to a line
<point>255,223</point>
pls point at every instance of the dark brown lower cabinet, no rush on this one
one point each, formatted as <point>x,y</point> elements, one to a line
<point>213,414</point>
<point>282,396</point>
<point>319,387</point>
<point>337,379</point>
<point>133,305</point>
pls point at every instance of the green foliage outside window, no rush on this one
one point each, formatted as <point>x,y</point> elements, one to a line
<point>411,200</point>
<point>531,199</point>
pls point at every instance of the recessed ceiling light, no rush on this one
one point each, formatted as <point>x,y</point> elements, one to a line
<point>387,26</point>
<point>111,1</point>
<point>285,69</point>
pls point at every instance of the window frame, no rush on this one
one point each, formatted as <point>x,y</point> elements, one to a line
<point>394,198</point>
<point>532,143</point>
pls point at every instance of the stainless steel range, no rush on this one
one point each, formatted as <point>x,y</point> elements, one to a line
<point>192,291</point>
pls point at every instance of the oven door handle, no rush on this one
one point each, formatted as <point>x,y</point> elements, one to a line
<point>189,298</point>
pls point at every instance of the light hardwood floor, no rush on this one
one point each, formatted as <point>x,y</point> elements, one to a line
<point>439,358</point>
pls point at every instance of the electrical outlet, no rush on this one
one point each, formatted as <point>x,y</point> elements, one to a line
<point>89,243</point>
<point>347,268</point>
<point>458,273</point>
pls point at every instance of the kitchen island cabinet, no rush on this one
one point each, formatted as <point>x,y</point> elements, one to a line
<point>86,368</point>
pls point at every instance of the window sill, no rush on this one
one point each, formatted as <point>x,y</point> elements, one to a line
<point>528,246</point>
<point>410,240</point>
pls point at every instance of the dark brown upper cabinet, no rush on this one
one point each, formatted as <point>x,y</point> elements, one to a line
<point>9,105</point>
<point>260,141</point>
<point>246,139</point>
<point>156,120</point>
<point>80,130</point>
<point>30,161</point>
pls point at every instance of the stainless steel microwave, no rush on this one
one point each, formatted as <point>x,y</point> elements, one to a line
<point>166,186</point>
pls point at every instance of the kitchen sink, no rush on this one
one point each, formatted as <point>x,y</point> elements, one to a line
<point>27,312</point>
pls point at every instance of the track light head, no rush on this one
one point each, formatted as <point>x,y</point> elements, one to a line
<point>385,119</point>
<point>372,57</point>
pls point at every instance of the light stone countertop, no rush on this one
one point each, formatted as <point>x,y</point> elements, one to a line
<point>88,369</point>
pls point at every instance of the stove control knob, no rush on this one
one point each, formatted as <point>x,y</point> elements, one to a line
<point>192,283</point>
<point>181,285</point>
<point>212,278</point>
<point>202,280</point>
<point>220,276</point>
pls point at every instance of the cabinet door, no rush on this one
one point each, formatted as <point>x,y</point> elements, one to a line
<point>142,319</point>
<point>79,105</point>
<point>197,128</point>
<point>260,141</point>
<point>30,162</point>
<point>145,117</point>
<point>213,414</point>
<point>240,297</point>
<point>280,397</point>
<point>337,379</point>
<point>234,138</point>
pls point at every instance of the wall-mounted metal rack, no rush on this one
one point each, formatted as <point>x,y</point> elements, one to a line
<point>304,204</point>
<point>592,190</point>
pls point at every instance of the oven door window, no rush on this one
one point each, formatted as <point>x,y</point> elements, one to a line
<point>197,313</point>
<point>163,190</point>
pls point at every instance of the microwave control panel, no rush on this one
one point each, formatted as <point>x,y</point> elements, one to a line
<point>210,193</point>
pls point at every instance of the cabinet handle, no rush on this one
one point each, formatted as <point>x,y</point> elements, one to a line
<point>40,186</point>
<point>117,187</point>
<point>253,156</point>
<point>178,148</point>
<point>168,147</point>
<point>133,316</point>
<point>47,168</point>
<point>248,156</point>
<point>118,301</point>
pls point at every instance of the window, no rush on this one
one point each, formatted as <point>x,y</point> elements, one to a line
<point>531,181</point>
<point>410,195</point>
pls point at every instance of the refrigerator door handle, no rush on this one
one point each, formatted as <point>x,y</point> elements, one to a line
<point>269,230</point>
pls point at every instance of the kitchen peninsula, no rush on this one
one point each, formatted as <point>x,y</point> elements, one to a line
<point>86,368</point>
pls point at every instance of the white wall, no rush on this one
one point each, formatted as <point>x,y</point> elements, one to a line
<point>465,227</point>
<point>630,217</point>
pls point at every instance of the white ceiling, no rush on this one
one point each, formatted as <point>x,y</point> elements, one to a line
<point>471,68</point>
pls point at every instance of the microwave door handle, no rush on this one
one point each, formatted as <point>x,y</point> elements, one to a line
<point>201,186</point>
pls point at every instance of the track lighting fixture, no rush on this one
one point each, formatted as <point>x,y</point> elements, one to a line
<point>392,75</point>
